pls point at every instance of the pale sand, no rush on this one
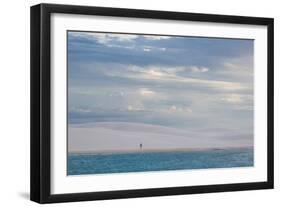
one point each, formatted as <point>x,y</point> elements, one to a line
<point>105,152</point>
<point>120,137</point>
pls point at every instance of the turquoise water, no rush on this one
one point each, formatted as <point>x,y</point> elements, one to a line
<point>79,164</point>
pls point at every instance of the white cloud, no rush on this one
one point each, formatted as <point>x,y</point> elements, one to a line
<point>176,109</point>
<point>131,47</point>
<point>150,48</point>
<point>146,92</point>
<point>197,69</point>
<point>79,110</point>
<point>134,108</point>
<point>154,73</point>
<point>105,38</point>
<point>169,74</point>
<point>158,70</point>
<point>156,37</point>
<point>233,98</point>
<point>239,101</point>
<point>242,64</point>
<point>241,68</point>
<point>114,40</point>
<point>146,49</point>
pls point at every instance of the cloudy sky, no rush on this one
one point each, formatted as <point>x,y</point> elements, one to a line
<point>179,82</point>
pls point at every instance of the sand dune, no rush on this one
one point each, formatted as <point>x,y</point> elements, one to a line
<point>123,137</point>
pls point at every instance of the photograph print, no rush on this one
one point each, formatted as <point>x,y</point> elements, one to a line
<point>143,103</point>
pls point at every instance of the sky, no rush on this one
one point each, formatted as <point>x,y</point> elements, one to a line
<point>172,81</point>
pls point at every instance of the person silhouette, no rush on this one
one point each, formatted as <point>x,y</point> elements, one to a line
<point>140,145</point>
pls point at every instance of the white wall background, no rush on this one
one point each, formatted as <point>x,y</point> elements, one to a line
<point>14,101</point>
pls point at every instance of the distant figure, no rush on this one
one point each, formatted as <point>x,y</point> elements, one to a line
<point>141,146</point>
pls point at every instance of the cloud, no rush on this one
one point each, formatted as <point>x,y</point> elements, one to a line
<point>233,98</point>
<point>135,108</point>
<point>146,49</point>
<point>121,41</point>
<point>239,101</point>
<point>79,110</point>
<point>245,108</point>
<point>105,38</point>
<point>176,109</point>
<point>168,70</point>
<point>146,92</point>
<point>178,82</point>
<point>151,49</point>
<point>156,37</point>
<point>167,74</point>
<point>236,68</point>
<point>197,69</point>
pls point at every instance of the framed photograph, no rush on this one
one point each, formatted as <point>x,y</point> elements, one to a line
<point>133,103</point>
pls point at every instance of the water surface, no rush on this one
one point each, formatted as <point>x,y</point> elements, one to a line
<point>79,164</point>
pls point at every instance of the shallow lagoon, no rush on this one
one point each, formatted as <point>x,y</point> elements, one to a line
<point>79,164</point>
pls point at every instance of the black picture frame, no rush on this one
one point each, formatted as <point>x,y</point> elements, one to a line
<point>40,184</point>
